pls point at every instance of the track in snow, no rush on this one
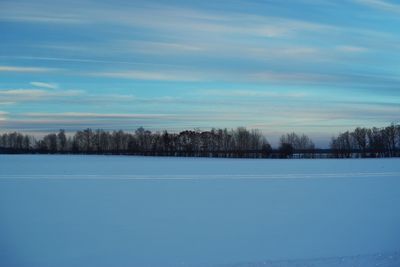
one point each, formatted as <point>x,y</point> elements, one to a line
<point>198,176</point>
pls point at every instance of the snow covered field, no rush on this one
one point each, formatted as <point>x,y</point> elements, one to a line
<point>147,211</point>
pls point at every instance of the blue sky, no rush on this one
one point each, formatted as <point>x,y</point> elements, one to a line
<point>311,66</point>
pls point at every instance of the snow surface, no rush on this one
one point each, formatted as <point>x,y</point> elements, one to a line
<point>149,211</point>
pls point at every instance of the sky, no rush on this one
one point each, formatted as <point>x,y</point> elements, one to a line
<point>317,67</point>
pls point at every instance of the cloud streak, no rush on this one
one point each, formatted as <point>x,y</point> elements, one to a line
<point>28,95</point>
<point>39,12</point>
<point>252,93</point>
<point>351,49</point>
<point>44,85</point>
<point>167,76</point>
<point>85,115</point>
<point>25,69</point>
<point>169,18</point>
<point>380,4</point>
<point>3,115</point>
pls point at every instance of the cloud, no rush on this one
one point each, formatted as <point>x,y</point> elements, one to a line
<point>351,49</point>
<point>267,117</point>
<point>380,4</point>
<point>153,47</point>
<point>224,48</point>
<point>44,85</point>
<point>84,60</point>
<point>38,18</point>
<point>292,77</point>
<point>24,69</point>
<point>322,78</point>
<point>217,45</point>
<point>3,115</point>
<point>85,115</point>
<point>40,12</point>
<point>150,75</point>
<point>252,93</point>
<point>24,95</point>
<point>172,19</point>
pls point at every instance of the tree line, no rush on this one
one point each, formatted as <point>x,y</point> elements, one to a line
<point>239,142</point>
<point>367,142</point>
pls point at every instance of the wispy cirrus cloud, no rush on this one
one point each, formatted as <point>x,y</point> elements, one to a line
<point>170,18</point>
<point>252,93</point>
<point>82,60</point>
<point>381,4</point>
<point>285,77</point>
<point>153,47</point>
<point>3,115</point>
<point>39,12</point>
<point>66,115</point>
<point>37,18</point>
<point>150,75</point>
<point>351,49</point>
<point>178,19</point>
<point>292,77</point>
<point>26,95</point>
<point>202,37</point>
<point>44,85</point>
<point>25,69</point>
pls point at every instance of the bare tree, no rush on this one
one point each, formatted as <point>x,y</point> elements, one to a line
<point>50,143</point>
<point>62,140</point>
<point>359,137</point>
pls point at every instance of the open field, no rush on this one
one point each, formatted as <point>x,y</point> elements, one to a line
<point>149,211</point>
